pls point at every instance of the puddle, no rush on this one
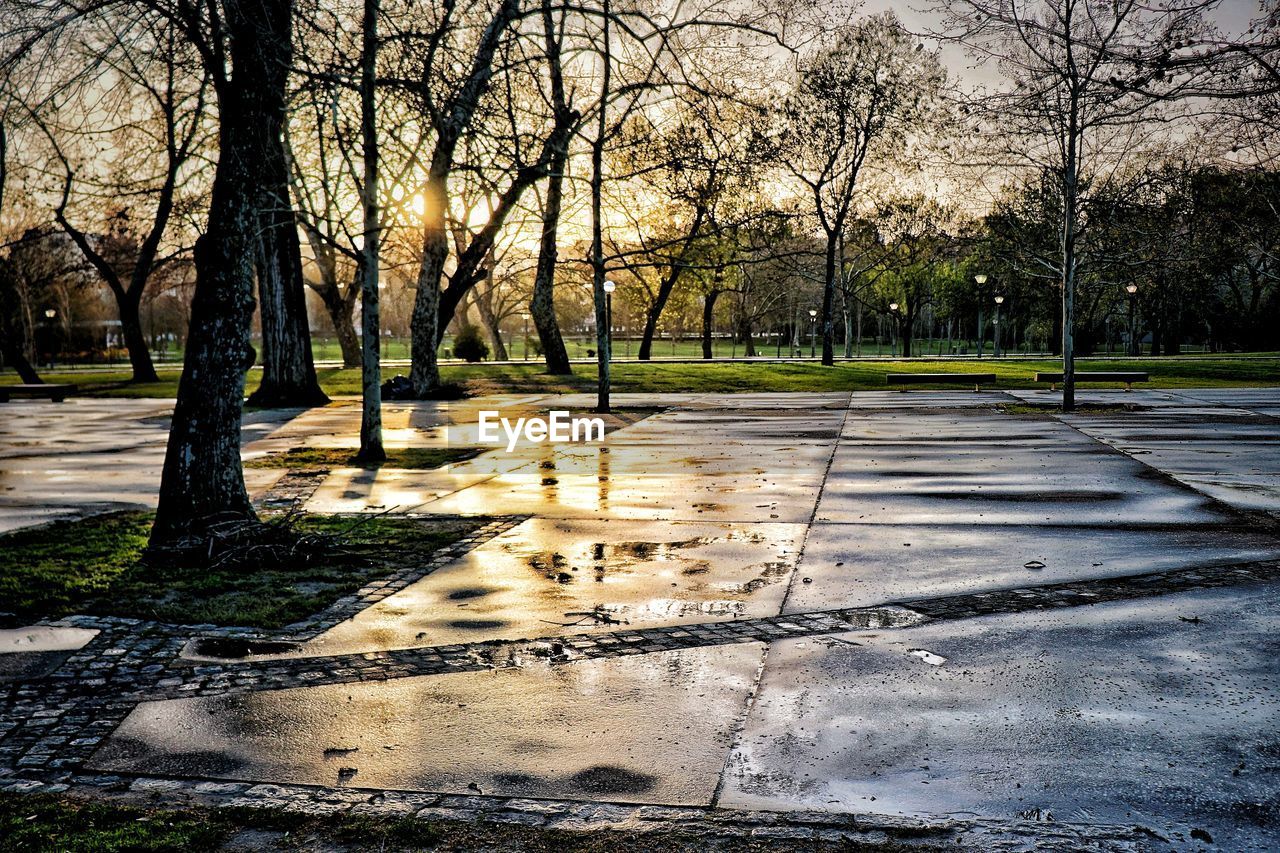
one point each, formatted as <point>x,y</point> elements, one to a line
<point>42,638</point>
<point>234,648</point>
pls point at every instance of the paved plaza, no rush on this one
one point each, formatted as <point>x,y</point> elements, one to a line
<point>943,617</point>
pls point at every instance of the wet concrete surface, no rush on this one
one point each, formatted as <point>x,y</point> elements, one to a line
<point>1161,713</point>
<point>698,513</point>
<point>547,577</point>
<point>851,565</point>
<point>651,729</point>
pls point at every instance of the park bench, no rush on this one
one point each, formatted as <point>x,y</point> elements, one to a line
<point>1127,377</point>
<point>977,380</point>
<point>56,393</point>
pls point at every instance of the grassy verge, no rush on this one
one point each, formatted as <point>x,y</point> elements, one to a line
<point>94,565</point>
<point>41,823</point>
<point>412,458</point>
<point>713,377</point>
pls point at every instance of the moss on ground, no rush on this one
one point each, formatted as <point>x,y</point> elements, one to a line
<point>43,822</point>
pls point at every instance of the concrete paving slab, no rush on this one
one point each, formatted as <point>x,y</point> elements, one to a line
<point>857,565</point>
<point>1121,713</point>
<point>950,482</point>
<point>548,577</point>
<point>649,729</point>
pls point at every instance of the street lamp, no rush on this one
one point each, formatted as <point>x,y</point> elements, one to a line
<point>50,313</point>
<point>609,285</point>
<point>893,329</point>
<point>981,279</point>
<point>999,302</point>
<point>813,332</point>
<point>524,315</point>
<point>1133,344</point>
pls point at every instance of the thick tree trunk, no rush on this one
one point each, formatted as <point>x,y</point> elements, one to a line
<point>202,481</point>
<point>708,318</point>
<point>14,357</point>
<point>341,308</point>
<point>744,334</point>
<point>288,369</point>
<point>371,449</point>
<point>542,306</point>
<point>135,341</point>
<point>828,299</point>
<point>904,334</point>
<point>426,327</point>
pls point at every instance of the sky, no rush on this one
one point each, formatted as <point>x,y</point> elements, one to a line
<point>1230,15</point>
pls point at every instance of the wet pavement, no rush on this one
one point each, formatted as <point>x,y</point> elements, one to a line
<point>716,509</point>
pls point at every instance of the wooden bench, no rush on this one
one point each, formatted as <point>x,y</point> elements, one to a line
<point>1127,377</point>
<point>977,380</point>
<point>56,393</point>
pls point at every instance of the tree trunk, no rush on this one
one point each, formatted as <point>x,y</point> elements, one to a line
<point>484,306</point>
<point>708,322</point>
<point>202,481</point>
<point>597,221</point>
<point>744,334</point>
<point>542,306</point>
<point>288,368</point>
<point>904,333</point>
<point>135,341</point>
<point>340,309</point>
<point>425,326</point>
<point>371,449</point>
<point>13,356</point>
<point>828,299</point>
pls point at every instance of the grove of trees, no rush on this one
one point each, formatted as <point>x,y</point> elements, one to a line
<point>223,177</point>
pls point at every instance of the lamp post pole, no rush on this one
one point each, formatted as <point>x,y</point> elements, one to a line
<point>999,302</point>
<point>609,286</point>
<point>524,315</point>
<point>1133,343</point>
<point>893,329</point>
<point>981,279</point>
<point>813,332</point>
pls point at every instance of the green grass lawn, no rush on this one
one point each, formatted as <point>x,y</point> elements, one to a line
<point>713,377</point>
<point>94,565</point>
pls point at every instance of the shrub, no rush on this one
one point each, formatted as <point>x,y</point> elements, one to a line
<point>469,346</point>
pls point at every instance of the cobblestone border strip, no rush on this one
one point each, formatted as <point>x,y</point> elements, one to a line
<point>182,679</point>
<point>872,830</point>
<point>292,490</point>
<point>57,721</point>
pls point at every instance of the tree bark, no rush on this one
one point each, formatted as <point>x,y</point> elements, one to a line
<point>484,306</point>
<point>828,297</point>
<point>708,322</point>
<point>13,356</point>
<point>134,339</point>
<point>425,326</point>
<point>597,222</point>
<point>202,481</point>
<point>542,306</point>
<point>288,369</point>
<point>371,449</point>
<point>340,307</point>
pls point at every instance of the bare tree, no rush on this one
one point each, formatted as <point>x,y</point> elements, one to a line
<point>1082,79</point>
<point>862,96</point>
